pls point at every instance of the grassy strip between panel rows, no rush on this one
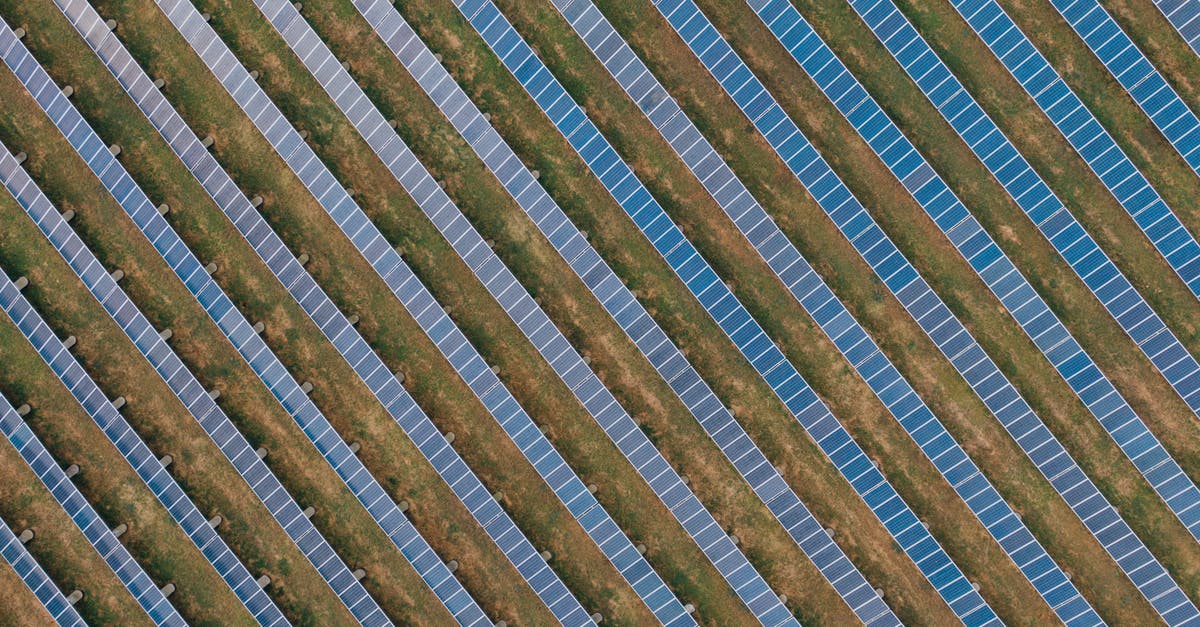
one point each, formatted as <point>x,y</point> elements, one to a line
<point>981,435</point>
<point>297,587</point>
<point>154,539</point>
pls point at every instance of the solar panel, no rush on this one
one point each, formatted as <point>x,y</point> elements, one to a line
<point>36,579</point>
<point>867,238</point>
<point>537,449</point>
<point>147,466</point>
<point>562,357</point>
<point>1080,251</point>
<point>1077,124</point>
<point>1183,15</point>
<point>284,509</point>
<point>103,540</point>
<point>1140,79</point>
<point>908,408</point>
<point>667,359</point>
<point>989,263</point>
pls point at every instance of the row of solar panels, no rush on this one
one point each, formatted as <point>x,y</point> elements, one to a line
<point>148,595</point>
<point>1184,15</point>
<point>130,445</point>
<point>57,605</point>
<point>182,382</point>
<point>653,222</point>
<point>1081,252</point>
<point>1136,74</point>
<point>1088,137</point>
<point>1000,275</point>
<point>752,220</point>
<point>520,306</point>
<point>749,93</point>
<point>467,362</point>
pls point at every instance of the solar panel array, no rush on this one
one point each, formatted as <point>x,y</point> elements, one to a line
<point>1184,15</point>
<point>646,335</point>
<point>1061,229</point>
<point>130,445</point>
<point>987,260</point>
<point>1103,35</point>
<point>1086,135</point>
<point>1136,74</point>
<point>859,228</point>
<point>103,540</point>
<point>535,446</point>
<point>634,444</point>
<point>700,279</point>
<point>753,221</point>
<point>27,567</point>
<point>183,384</point>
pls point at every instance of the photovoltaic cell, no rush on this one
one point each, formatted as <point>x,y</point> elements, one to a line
<point>266,486</point>
<point>1140,79</point>
<point>28,569</point>
<point>102,539</point>
<point>147,466</point>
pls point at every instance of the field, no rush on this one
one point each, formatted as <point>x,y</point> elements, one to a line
<point>167,555</point>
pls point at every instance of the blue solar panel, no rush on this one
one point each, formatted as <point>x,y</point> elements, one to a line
<point>1001,276</point>
<point>1087,136</point>
<point>817,299</point>
<point>182,382</point>
<point>520,306</point>
<point>1140,79</point>
<point>1090,263</point>
<point>566,485</point>
<point>1184,15</point>
<point>36,579</point>
<point>115,555</point>
<point>647,336</point>
<point>116,429</point>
